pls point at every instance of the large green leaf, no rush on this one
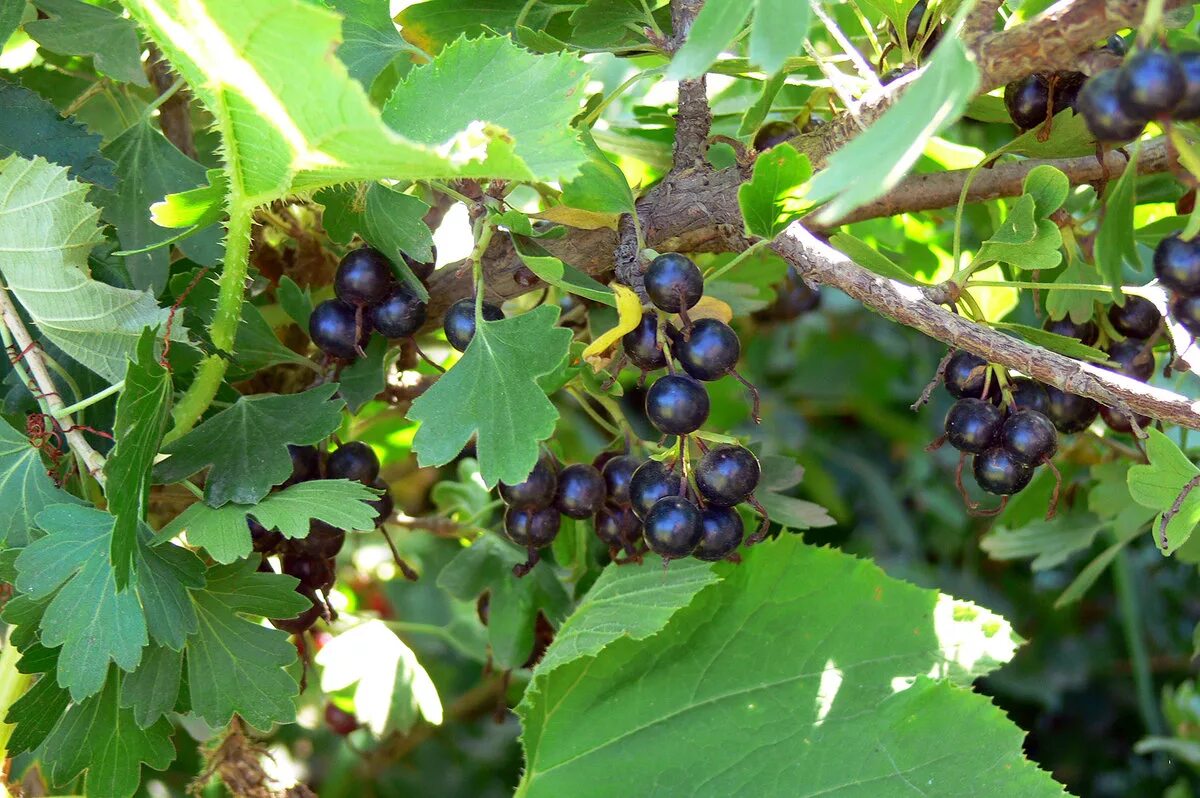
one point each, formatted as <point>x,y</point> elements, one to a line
<point>1159,484</point>
<point>434,24</point>
<point>30,126</point>
<point>78,28</point>
<point>25,488</point>
<point>153,689</point>
<point>370,40</point>
<point>803,672</point>
<point>493,392</point>
<point>774,196</point>
<point>779,30</point>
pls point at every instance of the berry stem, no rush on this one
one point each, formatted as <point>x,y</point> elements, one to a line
<point>483,237</point>
<point>743,255</point>
<point>1103,289</point>
<point>90,400</point>
<point>962,204</point>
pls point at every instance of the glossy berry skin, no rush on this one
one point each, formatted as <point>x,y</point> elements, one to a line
<point>264,540</point>
<point>354,461</point>
<point>1070,413</point>
<point>581,491</point>
<point>618,474</point>
<point>1119,422</point>
<point>1189,106</point>
<point>421,270</point>
<point>617,527</point>
<point>1186,311</point>
<point>1177,264</point>
<point>721,532</point>
<point>1066,90</point>
<point>1027,100</point>
<point>385,505</point>
<point>331,326</point>
<point>642,346</point>
<point>727,474</point>
<point>677,405</point>
<point>773,134</point>
<point>304,621</point>
<point>964,375</point>
<point>711,352</point>
<point>1086,333</point>
<point>536,492</point>
<point>1106,115</point>
<point>672,528</point>
<point>339,720</point>
<point>533,529</point>
<point>1029,436</point>
<point>459,321</point>
<point>651,482</point>
<point>364,277</point>
<point>1137,318</point>
<point>1132,358</point>
<point>323,541</point>
<point>314,572</point>
<point>971,424</point>
<point>399,315</point>
<point>998,471</point>
<point>673,282</point>
<point>1116,45</point>
<point>306,464</point>
<point>1028,394</point>
<point>1151,83</point>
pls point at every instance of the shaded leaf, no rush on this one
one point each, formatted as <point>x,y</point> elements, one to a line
<point>78,28</point>
<point>775,196</point>
<point>25,488</point>
<point>1160,483</point>
<point>370,41</point>
<point>152,690</point>
<point>553,271</point>
<point>30,126</point>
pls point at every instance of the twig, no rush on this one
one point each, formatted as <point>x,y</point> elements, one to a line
<point>1176,506</point>
<point>938,375</point>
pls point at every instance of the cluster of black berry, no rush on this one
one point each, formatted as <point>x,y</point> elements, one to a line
<point>1035,99</point>
<point>1151,85</point>
<point>1177,266</point>
<point>369,299</point>
<point>311,559</point>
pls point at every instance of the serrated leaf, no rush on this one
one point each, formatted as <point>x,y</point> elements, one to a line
<point>370,41</point>
<point>816,657</point>
<point>1159,484</point>
<point>78,28</point>
<point>775,195</point>
<point>388,220</point>
<point>31,127</point>
<point>295,301</point>
<point>778,32</point>
<point>25,488</point>
<point>496,84</point>
<point>393,691</point>
<point>143,409</point>
<point>197,207</point>
<point>246,445</point>
<point>11,12</point>
<point>223,533</point>
<point>553,271</point>
<point>492,392</point>
<point>152,690</point>
<point>436,23</point>
<point>47,229</point>
<point>165,574</point>
<point>608,24</point>
<point>35,714</point>
<point>366,377</point>
<point>601,186</point>
<point>1115,244</point>
<point>1023,240</point>
<point>714,28</point>
<point>1048,543</point>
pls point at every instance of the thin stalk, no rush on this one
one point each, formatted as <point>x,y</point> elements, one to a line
<point>1135,639</point>
<point>594,114</point>
<point>962,201</point>
<point>171,91</point>
<point>592,414</point>
<point>484,237</point>
<point>1104,289</point>
<point>90,400</point>
<point>442,188</point>
<point>743,255</point>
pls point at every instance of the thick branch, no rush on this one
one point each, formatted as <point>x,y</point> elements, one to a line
<point>694,118</point>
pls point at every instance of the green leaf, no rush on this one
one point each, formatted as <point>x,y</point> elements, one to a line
<point>152,690</point>
<point>234,665</point>
<point>609,24</point>
<point>143,409</point>
<point>892,145</point>
<point>601,186</point>
<point>1064,345</point>
<point>794,513</point>
<point>388,220</point>
<point>31,126</point>
<point>757,113</point>
<point>1048,543</point>
<point>715,27</point>
<point>223,533</point>
<point>868,257</point>
<point>493,392</point>
<point>779,30</point>
<point>393,691</point>
<point>11,12</point>
<point>47,229</point>
<point>99,736</point>
<point>77,28</point>
<point>295,301</point>
<point>553,271</point>
<point>1069,137</point>
<point>775,196</point>
<point>165,573</point>
<point>530,98</point>
<point>370,41</point>
<point>197,207</point>
<point>1159,484</point>
<point>1023,240</point>
<point>366,377</point>
<point>1049,188</point>
<point>434,24</point>
<point>785,651</point>
<point>25,488</point>
<point>246,444</point>
<point>1115,244</point>
<point>35,714</point>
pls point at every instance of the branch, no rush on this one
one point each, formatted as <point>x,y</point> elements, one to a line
<point>174,115</point>
<point>694,119</point>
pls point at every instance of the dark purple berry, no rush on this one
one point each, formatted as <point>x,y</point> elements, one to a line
<point>711,351</point>
<point>793,298</point>
<point>673,282</point>
<point>459,321</point>
<point>727,474</point>
<point>1028,394</point>
<point>331,327</point>
<point>1029,436</point>
<point>1027,100</point>
<point>672,528</point>
<point>306,464</point>
<point>1177,264</point>
<point>581,491</point>
<point>304,621</point>
<point>399,315</point>
<point>1107,117</point>
<point>1189,106</point>
<point>677,405</point>
<point>972,424</point>
<point>1151,83</point>
<point>773,134</point>
<point>1086,333</point>
<point>1116,45</point>
<point>265,540</point>
<point>384,505</point>
<point>314,572</point>
<point>1186,311</point>
<point>721,532</point>
<point>642,346</point>
<point>1132,358</point>
<point>1067,86</point>
<point>998,471</point>
<point>422,270</point>
<point>651,482</point>
<point>1119,422</point>
<point>537,491</point>
<point>965,375</point>
<point>364,277</point>
<point>617,527</point>
<point>339,720</point>
<point>1068,412</point>
<point>533,529</point>
<point>618,473</point>
<point>354,461</point>
<point>323,540</point>
<point>1137,318</point>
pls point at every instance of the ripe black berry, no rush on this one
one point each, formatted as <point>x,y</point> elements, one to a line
<point>997,470</point>
<point>618,527</point>
<point>1137,318</point>
<point>1066,90</point>
<point>331,326</point>
<point>972,424</point>
<point>711,352</point>
<point>1107,117</point>
<point>422,270</point>
<point>642,346</point>
<point>727,474</point>
<point>581,491</point>
<point>264,540</point>
<point>673,282</point>
<point>354,461</point>
<point>323,541</point>
<point>1029,436</point>
<point>399,315</point>
<point>912,28</point>
<point>304,621</point>
<point>459,322</point>
<point>677,405</point>
<point>721,533</point>
<point>672,528</point>
<point>1028,394</point>
<point>532,529</point>
<point>618,473</point>
<point>536,492</point>
<point>1189,106</point>
<point>1068,412</point>
<point>1177,264</point>
<point>1119,422</point>
<point>1151,83</point>
<point>1116,45</point>
<point>364,277</point>
<point>385,504</point>
<point>1027,100</point>
<point>965,374</point>
<point>306,464</point>
<point>314,572</point>
<point>793,298</point>
<point>1132,358</point>
<point>774,133</point>
<point>1186,310</point>
<point>339,720</point>
<point>651,482</point>
<point>1086,333</point>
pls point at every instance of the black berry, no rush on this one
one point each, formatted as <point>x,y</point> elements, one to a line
<point>1177,264</point>
<point>459,321</point>
<point>965,375</point>
<point>727,474</point>
<point>314,572</point>
<point>1189,106</point>
<point>332,325</point>
<point>399,315</point>
<point>1086,333</point>
<point>1106,115</point>
<point>1132,358</point>
<point>1027,100</point>
<point>323,541</point>
<point>651,482</point>
<point>536,492</point>
<point>385,504</point>
<point>1028,394</point>
<point>1119,422</point>
<point>672,528</point>
<point>1115,45</point>
<point>774,133</point>
<point>354,461</point>
<point>306,464</point>
<point>581,491</point>
<point>364,277</point>
<point>1029,436</point>
<point>793,298</point>
<point>997,470</point>
<point>1186,310</point>
<point>1137,318</point>
<point>533,529</point>
<point>304,621</point>
<point>618,473</point>
<point>642,346</point>
<point>677,405</point>
<point>972,424</point>
<point>1151,83</point>
<point>264,540</point>
<point>1068,412</point>
<point>339,720</point>
<point>1067,86</point>
<point>422,270</point>
<point>673,282</point>
<point>711,351</point>
<point>617,527</point>
<point>721,532</point>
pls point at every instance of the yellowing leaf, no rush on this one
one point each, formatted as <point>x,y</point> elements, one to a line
<point>629,315</point>
<point>574,217</point>
<point>710,307</point>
